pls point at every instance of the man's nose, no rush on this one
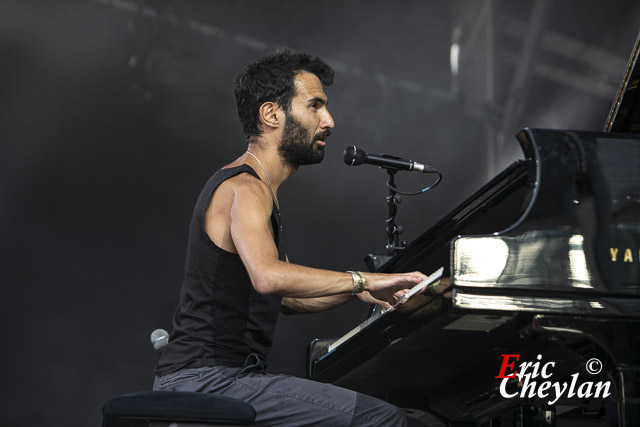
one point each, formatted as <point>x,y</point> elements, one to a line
<point>327,121</point>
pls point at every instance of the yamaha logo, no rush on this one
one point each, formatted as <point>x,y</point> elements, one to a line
<point>625,256</point>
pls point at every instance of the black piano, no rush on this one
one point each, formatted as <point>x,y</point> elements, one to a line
<point>544,266</point>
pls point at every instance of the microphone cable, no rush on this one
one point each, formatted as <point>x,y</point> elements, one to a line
<point>415,193</point>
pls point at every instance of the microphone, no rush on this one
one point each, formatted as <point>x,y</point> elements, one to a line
<point>159,338</point>
<point>354,156</point>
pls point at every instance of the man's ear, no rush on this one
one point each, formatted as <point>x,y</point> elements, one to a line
<point>270,114</point>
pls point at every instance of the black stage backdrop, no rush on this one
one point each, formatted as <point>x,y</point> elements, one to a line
<point>113,113</point>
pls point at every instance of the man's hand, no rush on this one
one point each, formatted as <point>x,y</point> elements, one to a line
<point>428,300</point>
<point>385,289</point>
<point>430,292</point>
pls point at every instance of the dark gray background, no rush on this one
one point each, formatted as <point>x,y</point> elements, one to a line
<point>113,113</point>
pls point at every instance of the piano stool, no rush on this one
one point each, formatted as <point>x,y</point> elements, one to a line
<point>175,409</point>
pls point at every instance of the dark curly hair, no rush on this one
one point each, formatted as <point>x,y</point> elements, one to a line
<point>271,79</point>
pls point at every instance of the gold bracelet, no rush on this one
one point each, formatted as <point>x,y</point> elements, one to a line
<point>359,281</point>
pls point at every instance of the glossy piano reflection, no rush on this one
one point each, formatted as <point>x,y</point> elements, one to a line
<point>534,257</point>
<point>580,228</point>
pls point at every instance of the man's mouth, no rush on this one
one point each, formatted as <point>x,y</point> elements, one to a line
<point>319,139</point>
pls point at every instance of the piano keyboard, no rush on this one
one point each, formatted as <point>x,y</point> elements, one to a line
<point>431,280</point>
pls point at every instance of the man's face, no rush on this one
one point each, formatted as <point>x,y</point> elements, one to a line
<point>308,123</point>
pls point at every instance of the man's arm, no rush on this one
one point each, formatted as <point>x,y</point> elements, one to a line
<point>253,240</point>
<point>313,305</point>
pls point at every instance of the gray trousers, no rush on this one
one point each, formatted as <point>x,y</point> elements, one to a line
<point>283,400</point>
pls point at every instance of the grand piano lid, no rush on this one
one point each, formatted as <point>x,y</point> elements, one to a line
<point>625,111</point>
<point>581,229</point>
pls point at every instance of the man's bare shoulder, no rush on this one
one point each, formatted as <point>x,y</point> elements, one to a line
<point>246,187</point>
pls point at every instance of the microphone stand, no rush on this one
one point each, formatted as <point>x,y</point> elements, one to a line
<point>393,230</point>
<point>392,164</point>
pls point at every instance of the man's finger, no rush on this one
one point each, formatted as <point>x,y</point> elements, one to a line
<point>384,304</point>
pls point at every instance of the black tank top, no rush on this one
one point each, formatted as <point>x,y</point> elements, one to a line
<point>220,318</point>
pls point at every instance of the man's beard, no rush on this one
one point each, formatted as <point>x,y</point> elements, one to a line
<point>298,147</point>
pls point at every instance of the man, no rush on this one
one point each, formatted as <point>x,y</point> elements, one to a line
<point>237,275</point>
